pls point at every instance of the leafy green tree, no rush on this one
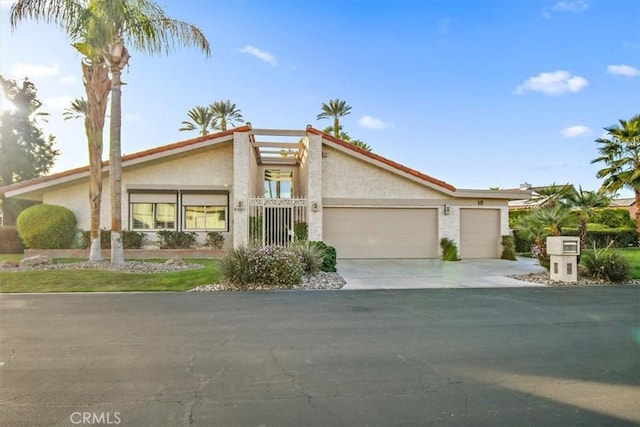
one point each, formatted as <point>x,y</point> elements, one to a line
<point>25,152</point>
<point>226,113</point>
<point>107,27</point>
<point>202,119</point>
<point>335,109</point>
<point>620,152</point>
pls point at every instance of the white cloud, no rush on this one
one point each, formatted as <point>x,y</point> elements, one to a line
<point>373,123</point>
<point>68,80</point>
<point>576,131</point>
<point>57,102</point>
<point>553,83</point>
<point>34,71</point>
<point>623,70</point>
<point>572,6</point>
<point>260,54</point>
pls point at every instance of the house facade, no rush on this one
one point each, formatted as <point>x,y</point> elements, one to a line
<point>275,186</point>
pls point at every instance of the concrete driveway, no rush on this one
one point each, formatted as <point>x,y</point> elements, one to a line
<point>434,273</point>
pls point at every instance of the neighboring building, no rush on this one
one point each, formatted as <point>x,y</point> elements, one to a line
<point>266,184</point>
<point>531,201</point>
<point>628,204</point>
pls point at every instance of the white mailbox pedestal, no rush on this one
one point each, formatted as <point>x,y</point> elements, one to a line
<point>563,251</point>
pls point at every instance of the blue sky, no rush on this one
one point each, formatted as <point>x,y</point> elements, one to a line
<point>479,93</point>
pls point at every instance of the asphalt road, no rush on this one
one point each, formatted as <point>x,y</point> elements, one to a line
<point>532,356</point>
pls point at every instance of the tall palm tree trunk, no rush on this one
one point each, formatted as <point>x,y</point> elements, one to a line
<point>97,86</point>
<point>117,58</point>
<point>336,127</point>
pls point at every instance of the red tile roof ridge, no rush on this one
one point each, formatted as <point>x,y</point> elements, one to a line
<point>382,159</point>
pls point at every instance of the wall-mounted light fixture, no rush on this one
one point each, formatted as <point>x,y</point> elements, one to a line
<point>446,209</point>
<point>314,206</point>
<point>238,206</point>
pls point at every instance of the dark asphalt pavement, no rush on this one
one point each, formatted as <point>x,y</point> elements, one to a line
<point>459,357</point>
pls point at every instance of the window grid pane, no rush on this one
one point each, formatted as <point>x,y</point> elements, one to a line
<point>205,217</point>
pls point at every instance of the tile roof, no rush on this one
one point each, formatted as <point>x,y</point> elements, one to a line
<point>128,157</point>
<point>381,159</point>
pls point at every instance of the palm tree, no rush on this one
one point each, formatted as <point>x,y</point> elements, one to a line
<point>105,27</point>
<point>552,195</point>
<point>77,109</point>
<point>202,119</point>
<point>361,144</point>
<point>334,110</point>
<point>341,134</point>
<point>226,112</point>
<point>584,202</point>
<point>620,152</point>
<point>79,21</point>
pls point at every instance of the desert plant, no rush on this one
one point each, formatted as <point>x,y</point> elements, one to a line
<point>215,239</point>
<point>269,265</point>
<point>301,231</point>
<point>606,264</point>
<point>330,256</point>
<point>449,250</point>
<point>310,254</point>
<point>47,227</point>
<point>508,248</point>
<point>170,239</point>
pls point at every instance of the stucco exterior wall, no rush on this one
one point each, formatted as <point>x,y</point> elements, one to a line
<point>315,185</point>
<point>242,159</point>
<point>347,177</point>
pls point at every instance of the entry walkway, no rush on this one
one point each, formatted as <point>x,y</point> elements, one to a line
<point>434,273</point>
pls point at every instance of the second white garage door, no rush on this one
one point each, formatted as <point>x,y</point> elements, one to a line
<point>382,232</point>
<point>479,233</point>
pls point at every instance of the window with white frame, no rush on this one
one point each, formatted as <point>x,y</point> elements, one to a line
<point>153,211</point>
<point>204,211</point>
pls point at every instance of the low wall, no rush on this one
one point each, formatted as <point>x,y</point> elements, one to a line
<point>131,253</point>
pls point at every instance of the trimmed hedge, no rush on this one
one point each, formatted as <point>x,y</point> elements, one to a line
<point>613,218</point>
<point>10,242</point>
<point>130,239</point>
<point>621,237</point>
<point>47,227</point>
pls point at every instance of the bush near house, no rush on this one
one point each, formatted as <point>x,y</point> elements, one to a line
<point>268,265</point>
<point>310,254</point>
<point>508,248</point>
<point>10,242</point>
<point>169,239</point>
<point>613,218</point>
<point>596,234</point>
<point>606,264</point>
<point>330,257</point>
<point>47,227</point>
<point>449,250</point>
<point>214,239</point>
<point>130,239</point>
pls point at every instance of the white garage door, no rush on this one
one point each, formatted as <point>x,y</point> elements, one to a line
<point>479,233</point>
<point>382,232</point>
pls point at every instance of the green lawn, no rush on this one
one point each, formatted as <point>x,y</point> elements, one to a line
<point>633,256</point>
<point>105,281</point>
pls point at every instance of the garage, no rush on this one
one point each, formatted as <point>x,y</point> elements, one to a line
<point>479,233</point>
<point>381,232</point>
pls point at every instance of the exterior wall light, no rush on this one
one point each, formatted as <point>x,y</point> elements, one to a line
<point>238,206</point>
<point>314,206</point>
<point>446,209</point>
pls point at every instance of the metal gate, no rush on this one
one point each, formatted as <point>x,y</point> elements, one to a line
<point>277,221</point>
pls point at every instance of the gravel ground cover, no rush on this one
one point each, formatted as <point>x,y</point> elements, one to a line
<point>543,279</point>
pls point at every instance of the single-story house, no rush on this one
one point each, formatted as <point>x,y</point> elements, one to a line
<point>269,184</point>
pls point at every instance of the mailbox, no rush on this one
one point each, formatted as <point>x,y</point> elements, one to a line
<point>563,252</point>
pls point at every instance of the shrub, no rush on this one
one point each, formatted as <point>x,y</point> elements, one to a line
<point>170,239</point>
<point>516,214</point>
<point>301,231</point>
<point>621,237</point>
<point>269,265</point>
<point>449,250</point>
<point>508,248</point>
<point>214,239</point>
<point>522,243</point>
<point>47,227</point>
<point>330,256</point>
<point>606,264</point>
<point>130,239</point>
<point>613,218</point>
<point>310,254</point>
<point>10,242</point>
